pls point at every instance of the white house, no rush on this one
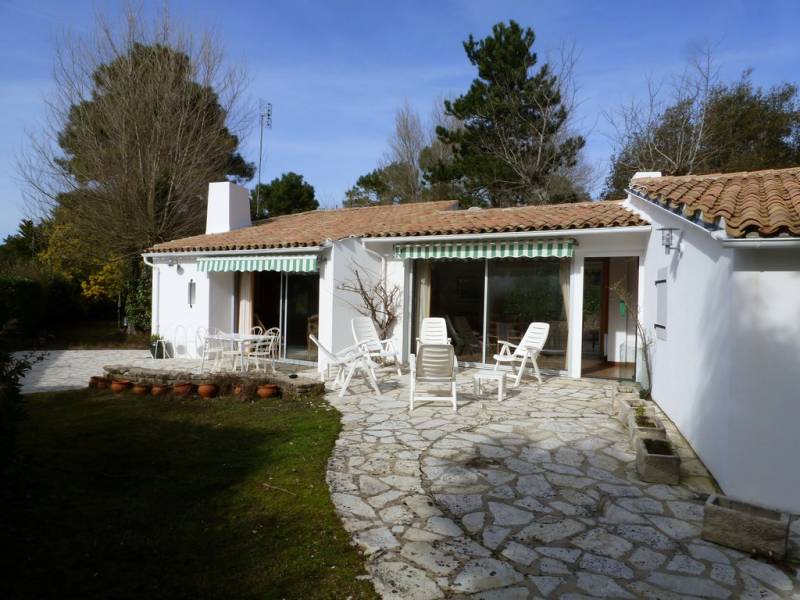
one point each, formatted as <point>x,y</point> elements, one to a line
<point>711,264</point>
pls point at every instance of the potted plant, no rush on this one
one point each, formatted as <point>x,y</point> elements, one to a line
<point>140,389</point>
<point>158,346</point>
<point>267,390</point>
<point>159,389</point>
<point>657,461</point>
<point>182,389</point>
<point>207,389</point>
<point>645,425</point>
<point>119,385</point>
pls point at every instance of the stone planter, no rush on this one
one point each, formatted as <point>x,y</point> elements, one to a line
<point>626,403</point>
<point>207,390</point>
<point>267,390</point>
<point>657,462</point>
<point>747,527</point>
<point>119,385</point>
<point>646,426</point>
<point>140,389</point>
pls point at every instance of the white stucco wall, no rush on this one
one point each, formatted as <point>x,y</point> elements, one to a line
<point>726,370</point>
<point>172,317</point>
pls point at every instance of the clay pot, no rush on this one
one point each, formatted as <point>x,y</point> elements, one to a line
<point>182,389</point>
<point>159,389</point>
<point>140,389</point>
<point>98,383</point>
<point>207,390</point>
<point>119,385</point>
<point>267,390</point>
<point>238,390</point>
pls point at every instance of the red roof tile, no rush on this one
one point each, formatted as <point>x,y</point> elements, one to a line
<point>766,203</point>
<point>424,218</point>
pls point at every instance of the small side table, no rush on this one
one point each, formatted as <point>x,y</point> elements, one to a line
<point>498,376</point>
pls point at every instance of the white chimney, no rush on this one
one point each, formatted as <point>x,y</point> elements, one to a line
<point>643,174</point>
<point>228,207</point>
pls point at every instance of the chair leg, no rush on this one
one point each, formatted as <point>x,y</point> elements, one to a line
<point>347,380</point>
<point>370,375</point>
<point>521,371</point>
<point>536,369</point>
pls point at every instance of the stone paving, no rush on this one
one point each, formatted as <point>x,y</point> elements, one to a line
<point>71,369</point>
<point>535,497</point>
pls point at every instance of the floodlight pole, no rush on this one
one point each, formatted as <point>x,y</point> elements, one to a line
<point>265,120</point>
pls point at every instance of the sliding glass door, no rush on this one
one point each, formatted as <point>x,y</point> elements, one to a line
<point>485,301</point>
<point>289,301</point>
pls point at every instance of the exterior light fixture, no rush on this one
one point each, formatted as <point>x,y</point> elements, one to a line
<point>668,237</point>
<point>192,292</point>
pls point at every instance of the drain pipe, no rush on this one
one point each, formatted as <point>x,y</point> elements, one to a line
<point>156,294</point>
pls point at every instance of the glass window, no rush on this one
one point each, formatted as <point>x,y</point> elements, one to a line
<point>456,293</point>
<point>522,291</point>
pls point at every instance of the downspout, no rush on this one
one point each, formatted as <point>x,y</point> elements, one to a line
<point>156,316</point>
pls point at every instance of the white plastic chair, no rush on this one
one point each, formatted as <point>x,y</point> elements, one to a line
<point>366,338</point>
<point>529,347</point>
<point>275,334</point>
<point>208,347</point>
<point>265,349</point>
<point>346,363</point>
<point>433,365</point>
<point>433,330</point>
<point>256,330</point>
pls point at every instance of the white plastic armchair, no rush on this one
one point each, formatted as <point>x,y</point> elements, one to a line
<point>433,330</point>
<point>529,347</point>
<point>433,365</point>
<point>346,363</point>
<point>366,337</point>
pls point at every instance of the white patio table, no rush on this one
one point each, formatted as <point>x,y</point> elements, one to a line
<point>239,342</point>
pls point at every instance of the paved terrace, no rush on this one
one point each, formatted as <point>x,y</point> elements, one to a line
<point>536,497</point>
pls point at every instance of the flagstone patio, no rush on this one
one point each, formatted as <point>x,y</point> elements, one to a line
<point>534,497</point>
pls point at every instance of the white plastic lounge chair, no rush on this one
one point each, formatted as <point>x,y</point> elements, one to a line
<point>433,330</point>
<point>366,338</point>
<point>529,347</point>
<point>433,365</point>
<point>346,363</point>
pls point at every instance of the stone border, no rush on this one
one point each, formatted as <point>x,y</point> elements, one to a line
<point>226,381</point>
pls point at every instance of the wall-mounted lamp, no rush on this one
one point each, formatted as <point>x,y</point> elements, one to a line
<point>192,292</point>
<point>668,237</point>
<point>172,263</point>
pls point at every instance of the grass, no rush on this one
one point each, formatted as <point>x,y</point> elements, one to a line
<point>132,497</point>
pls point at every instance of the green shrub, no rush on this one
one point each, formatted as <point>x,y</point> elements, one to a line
<point>21,304</point>
<point>12,370</point>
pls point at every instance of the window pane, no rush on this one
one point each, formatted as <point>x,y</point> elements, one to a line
<point>522,291</point>
<point>457,295</point>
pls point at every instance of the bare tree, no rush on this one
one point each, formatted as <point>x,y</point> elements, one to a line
<point>378,300</point>
<point>405,147</point>
<point>667,130</point>
<point>142,118</point>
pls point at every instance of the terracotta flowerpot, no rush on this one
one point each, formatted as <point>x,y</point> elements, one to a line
<point>159,389</point>
<point>96,381</point>
<point>119,385</point>
<point>102,383</point>
<point>207,390</point>
<point>267,390</point>
<point>182,389</point>
<point>140,389</point>
<point>238,390</point>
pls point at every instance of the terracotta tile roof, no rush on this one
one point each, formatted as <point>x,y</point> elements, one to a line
<point>425,218</point>
<point>766,203</point>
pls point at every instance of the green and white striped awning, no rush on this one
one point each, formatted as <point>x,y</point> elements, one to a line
<point>290,263</point>
<point>545,248</point>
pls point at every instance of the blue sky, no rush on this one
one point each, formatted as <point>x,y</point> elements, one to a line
<point>336,72</point>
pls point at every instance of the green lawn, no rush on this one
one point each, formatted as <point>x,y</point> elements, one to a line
<point>129,497</point>
<point>77,335</point>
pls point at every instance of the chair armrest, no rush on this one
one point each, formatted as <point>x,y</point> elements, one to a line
<point>506,343</point>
